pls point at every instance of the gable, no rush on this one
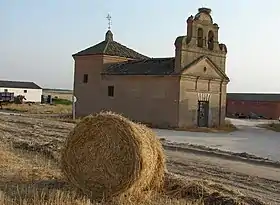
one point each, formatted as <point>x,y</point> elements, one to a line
<point>204,68</point>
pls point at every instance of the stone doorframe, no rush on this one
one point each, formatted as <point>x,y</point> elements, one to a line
<point>203,109</point>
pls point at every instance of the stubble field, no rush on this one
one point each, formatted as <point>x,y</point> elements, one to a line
<point>30,170</point>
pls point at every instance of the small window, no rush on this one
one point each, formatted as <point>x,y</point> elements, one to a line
<point>25,91</point>
<point>211,40</point>
<point>111,91</point>
<point>85,80</point>
<point>5,90</point>
<point>200,37</point>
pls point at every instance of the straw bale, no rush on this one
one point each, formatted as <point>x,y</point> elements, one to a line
<point>107,155</point>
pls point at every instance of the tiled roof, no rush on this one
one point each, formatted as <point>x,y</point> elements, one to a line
<point>254,97</point>
<point>151,66</point>
<point>18,84</point>
<point>112,48</point>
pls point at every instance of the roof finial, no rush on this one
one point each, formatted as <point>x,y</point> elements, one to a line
<point>109,21</point>
<point>204,10</point>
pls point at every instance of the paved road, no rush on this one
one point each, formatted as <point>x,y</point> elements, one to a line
<point>249,138</point>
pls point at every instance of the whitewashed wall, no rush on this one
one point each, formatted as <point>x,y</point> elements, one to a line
<point>32,95</point>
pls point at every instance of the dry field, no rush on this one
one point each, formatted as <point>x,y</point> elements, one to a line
<point>30,171</point>
<point>61,109</point>
<point>62,94</point>
<point>38,108</point>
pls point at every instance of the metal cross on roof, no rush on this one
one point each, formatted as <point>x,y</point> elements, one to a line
<point>109,21</point>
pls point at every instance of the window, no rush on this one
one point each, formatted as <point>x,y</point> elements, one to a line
<point>85,80</point>
<point>200,37</point>
<point>211,40</point>
<point>196,82</point>
<point>25,91</point>
<point>111,91</point>
<point>6,90</point>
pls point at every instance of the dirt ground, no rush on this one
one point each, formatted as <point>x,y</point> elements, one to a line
<point>232,176</point>
<point>253,180</point>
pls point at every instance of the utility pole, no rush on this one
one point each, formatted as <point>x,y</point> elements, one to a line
<point>74,100</point>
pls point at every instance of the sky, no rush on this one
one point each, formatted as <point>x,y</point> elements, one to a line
<point>38,38</point>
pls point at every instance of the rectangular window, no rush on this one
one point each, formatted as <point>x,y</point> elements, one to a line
<point>85,80</point>
<point>209,85</point>
<point>25,91</point>
<point>111,91</point>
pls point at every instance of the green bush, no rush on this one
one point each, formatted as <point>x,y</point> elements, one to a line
<point>59,101</point>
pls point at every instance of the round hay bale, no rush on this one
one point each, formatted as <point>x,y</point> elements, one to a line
<point>107,155</point>
<point>157,181</point>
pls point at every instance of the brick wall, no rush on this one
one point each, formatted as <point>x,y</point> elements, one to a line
<point>267,109</point>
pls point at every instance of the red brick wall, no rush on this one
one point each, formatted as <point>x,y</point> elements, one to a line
<point>267,109</point>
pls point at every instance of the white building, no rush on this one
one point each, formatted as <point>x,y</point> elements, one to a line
<point>31,91</point>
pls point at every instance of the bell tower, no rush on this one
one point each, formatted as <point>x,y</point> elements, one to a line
<point>202,39</point>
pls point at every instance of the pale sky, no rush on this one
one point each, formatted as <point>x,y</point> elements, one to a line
<point>37,38</point>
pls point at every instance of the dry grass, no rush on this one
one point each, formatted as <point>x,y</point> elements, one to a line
<point>39,108</point>
<point>30,178</point>
<point>272,126</point>
<point>68,198</point>
<point>227,127</point>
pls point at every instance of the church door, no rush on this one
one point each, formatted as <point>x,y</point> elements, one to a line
<point>202,113</point>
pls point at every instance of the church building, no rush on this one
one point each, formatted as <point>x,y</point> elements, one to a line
<point>187,90</point>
